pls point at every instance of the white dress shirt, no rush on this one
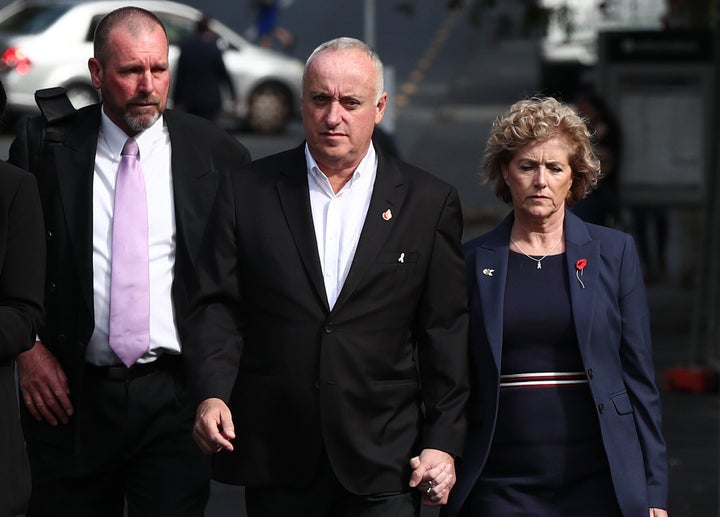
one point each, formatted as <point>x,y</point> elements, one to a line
<point>155,159</point>
<point>339,218</point>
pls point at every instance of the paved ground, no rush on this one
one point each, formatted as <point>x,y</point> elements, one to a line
<point>690,421</point>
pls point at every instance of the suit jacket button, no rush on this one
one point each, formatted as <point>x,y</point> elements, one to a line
<point>590,373</point>
<point>601,408</point>
<point>317,385</point>
<point>49,235</point>
<point>61,338</point>
<point>52,287</point>
<point>329,329</point>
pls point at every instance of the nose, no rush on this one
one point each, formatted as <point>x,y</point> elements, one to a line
<point>333,116</point>
<point>145,82</point>
<point>541,177</point>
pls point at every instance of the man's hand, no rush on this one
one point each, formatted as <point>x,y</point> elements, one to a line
<point>44,386</point>
<point>658,512</point>
<point>213,426</point>
<point>434,475</point>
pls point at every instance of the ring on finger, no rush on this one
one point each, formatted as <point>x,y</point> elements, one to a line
<point>430,486</point>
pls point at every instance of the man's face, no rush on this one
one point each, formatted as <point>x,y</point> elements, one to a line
<point>135,79</point>
<point>340,108</point>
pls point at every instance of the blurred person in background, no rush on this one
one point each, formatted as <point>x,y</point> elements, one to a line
<point>267,25</point>
<point>201,75</point>
<point>22,270</point>
<point>564,413</point>
<point>108,424</point>
<point>602,204</point>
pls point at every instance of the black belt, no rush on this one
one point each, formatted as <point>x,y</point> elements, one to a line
<point>167,362</point>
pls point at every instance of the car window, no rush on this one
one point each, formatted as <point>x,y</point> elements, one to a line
<point>32,20</point>
<point>90,36</point>
<point>178,28</point>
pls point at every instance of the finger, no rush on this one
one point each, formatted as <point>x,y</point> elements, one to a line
<point>52,405</point>
<point>416,477</point>
<point>44,412</point>
<point>62,396</point>
<point>209,434</point>
<point>227,429</point>
<point>418,473</point>
<point>30,405</point>
<point>203,442</point>
<point>438,473</point>
<point>443,477</point>
<point>61,390</point>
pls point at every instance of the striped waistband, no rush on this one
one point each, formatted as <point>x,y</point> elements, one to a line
<point>541,379</point>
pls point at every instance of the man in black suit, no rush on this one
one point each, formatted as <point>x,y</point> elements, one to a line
<point>328,326</point>
<point>22,269</point>
<point>101,433</point>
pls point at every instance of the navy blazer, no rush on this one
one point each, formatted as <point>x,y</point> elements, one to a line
<point>611,316</point>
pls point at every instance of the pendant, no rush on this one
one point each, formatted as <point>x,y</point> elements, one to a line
<point>539,265</point>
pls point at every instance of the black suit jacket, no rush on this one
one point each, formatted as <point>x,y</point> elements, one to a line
<point>64,170</point>
<point>22,266</point>
<point>300,377</point>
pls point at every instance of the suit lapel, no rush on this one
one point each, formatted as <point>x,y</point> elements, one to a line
<point>194,186</point>
<point>579,245</point>
<point>294,198</point>
<point>388,194</point>
<point>74,161</point>
<point>491,262</point>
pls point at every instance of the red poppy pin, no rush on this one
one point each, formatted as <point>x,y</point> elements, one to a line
<point>579,267</point>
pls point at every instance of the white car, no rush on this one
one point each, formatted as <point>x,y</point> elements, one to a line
<point>46,43</point>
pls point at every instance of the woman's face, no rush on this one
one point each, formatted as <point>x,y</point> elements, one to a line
<point>539,178</point>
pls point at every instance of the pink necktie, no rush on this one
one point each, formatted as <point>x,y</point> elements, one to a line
<point>130,276</point>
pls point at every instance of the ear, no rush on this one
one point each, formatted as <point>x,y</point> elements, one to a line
<point>96,72</point>
<point>505,172</point>
<point>380,106</point>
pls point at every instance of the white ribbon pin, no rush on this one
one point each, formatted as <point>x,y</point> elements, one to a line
<point>401,258</point>
<point>387,214</point>
<point>488,272</point>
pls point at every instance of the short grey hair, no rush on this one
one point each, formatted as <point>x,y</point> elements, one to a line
<point>345,43</point>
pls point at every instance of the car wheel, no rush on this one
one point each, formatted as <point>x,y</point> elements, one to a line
<point>268,109</point>
<point>81,95</point>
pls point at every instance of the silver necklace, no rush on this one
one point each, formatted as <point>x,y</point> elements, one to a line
<point>539,261</point>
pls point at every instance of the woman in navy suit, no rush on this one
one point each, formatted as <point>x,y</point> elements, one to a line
<point>564,412</point>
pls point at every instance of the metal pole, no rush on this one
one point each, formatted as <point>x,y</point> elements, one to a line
<point>370,23</point>
<point>705,345</point>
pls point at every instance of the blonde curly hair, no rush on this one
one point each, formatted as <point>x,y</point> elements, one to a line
<point>539,119</point>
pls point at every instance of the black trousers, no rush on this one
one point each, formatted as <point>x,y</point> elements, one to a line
<point>131,444</point>
<point>326,497</point>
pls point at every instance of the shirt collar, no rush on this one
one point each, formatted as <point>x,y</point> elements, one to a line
<point>115,137</point>
<point>366,166</point>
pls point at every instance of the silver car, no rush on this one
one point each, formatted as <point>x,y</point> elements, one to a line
<point>46,43</point>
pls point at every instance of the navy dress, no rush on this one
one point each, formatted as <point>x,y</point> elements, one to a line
<point>547,457</point>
